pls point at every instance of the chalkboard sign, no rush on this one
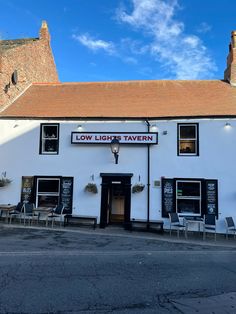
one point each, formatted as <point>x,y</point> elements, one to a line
<point>67,193</point>
<point>27,189</point>
<point>168,196</point>
<point>212,197</point>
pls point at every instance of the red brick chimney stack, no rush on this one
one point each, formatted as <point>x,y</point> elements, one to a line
<point>44,32</point>
<point>230,72</point>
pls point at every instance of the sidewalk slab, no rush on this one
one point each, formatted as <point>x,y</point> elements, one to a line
<point>219,304</point>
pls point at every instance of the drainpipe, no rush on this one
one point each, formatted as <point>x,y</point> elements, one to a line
<point>148,178</point>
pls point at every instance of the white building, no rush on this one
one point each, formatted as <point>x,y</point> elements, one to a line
<point>177,138</point>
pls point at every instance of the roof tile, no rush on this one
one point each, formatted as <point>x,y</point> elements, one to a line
<point>131,99</point>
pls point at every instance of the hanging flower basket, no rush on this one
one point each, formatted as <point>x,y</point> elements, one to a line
<point>137,188</point>
<point>4,182</point>
<point>91,187</point>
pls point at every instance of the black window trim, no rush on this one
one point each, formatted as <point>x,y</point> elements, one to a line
<point>204,199</point>
<point>37,178</point>
<point>200,197</point>
<point>197,139</point>
<point>40,139</point>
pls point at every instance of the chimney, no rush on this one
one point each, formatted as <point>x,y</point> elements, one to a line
<point>44,32</point>
<point>230,72</point>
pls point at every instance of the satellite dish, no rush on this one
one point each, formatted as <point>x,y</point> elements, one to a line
<point>14,77</point>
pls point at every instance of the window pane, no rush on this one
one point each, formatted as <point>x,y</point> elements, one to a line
<point>48,186</point>
<point>188,189</point>
<point>50,146</point>
<point>188,206</point>
<point>187,147</point>
<point>50,131</point>
<point>48,201</point>
<point>187,131</point>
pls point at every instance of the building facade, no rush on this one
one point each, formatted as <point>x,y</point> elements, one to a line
<point>176,149</point>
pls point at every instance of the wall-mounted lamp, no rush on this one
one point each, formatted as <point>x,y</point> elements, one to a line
<point>227,125</point>
<point>115,147</point>
<point>79,128</point>
<point>153,128</point>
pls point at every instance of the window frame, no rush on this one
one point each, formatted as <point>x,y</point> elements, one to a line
<point>196,139</point>
<point>199,198</point>
<point>42,138</point>
<point>58,194</point>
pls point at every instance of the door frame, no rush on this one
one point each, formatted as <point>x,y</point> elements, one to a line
<point>125,179</point>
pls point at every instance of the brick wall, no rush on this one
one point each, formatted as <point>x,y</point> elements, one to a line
<point>33,61</point>
<point>230,72</point>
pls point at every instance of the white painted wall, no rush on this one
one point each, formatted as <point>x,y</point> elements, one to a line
<point>19,156</point>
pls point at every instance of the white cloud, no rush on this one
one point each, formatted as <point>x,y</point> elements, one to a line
<point>135,47</point>
<point>95,44</point>
<point>204,28</point>
<point>129,60</point>
<point>183,55</point>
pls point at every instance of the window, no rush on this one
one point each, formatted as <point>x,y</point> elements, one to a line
<point>49,142</point>
<point>188,139</point>
<point>188,197</point>
<point>48,192</point>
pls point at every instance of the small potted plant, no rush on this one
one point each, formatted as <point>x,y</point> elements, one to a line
<point>138,187</point>
<point>91,187</point>
<point>4,181</point>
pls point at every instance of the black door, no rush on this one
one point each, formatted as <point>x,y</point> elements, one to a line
<point>115,199</point>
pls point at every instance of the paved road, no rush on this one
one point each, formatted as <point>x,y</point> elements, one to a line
<point>45,271</point>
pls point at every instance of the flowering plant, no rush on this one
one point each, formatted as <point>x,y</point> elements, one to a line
<point>91,187</point>
<point>139,187</point>
<point>4,181</point>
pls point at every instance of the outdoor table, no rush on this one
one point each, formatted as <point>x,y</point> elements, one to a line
<point>43,211</point>
<point>193,220</point>
<point>7,208</point>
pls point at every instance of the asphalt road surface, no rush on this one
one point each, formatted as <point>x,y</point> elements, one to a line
<point>49,271</point>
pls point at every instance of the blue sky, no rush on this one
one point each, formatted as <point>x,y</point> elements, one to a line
<point>110,40</point>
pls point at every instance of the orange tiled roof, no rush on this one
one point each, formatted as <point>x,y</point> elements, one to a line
<point>132,99</point>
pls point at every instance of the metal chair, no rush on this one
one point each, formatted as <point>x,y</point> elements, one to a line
<point>16,213</point>
<point>28,213</point>
<point>56,212</point>
<point>230,226</point>
<point>174,222</point>
<point>209,225</point>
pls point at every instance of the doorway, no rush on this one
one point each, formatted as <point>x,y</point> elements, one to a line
<point>115,200</point>
<point>117,203</point>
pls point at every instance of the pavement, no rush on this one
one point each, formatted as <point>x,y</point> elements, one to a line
<point>116,231</point>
